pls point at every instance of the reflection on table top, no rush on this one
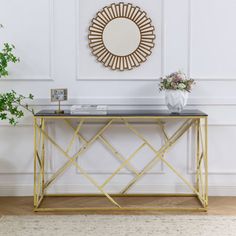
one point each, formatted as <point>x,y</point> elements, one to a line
<point>125,113</point>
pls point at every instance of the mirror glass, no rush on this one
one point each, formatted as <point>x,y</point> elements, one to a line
<point>121,36</point>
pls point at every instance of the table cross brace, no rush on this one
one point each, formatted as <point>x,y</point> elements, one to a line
<point>125,162</point>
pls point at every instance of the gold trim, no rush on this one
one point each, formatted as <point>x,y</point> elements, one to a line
<point>173,209</point>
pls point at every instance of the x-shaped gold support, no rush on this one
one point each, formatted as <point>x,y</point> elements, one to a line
<point>40,134</point>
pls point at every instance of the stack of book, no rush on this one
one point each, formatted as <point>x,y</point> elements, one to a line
<point>88,110</point>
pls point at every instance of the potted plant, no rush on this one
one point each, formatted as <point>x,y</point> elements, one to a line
<point>177,87</point>
<point>11,103</point>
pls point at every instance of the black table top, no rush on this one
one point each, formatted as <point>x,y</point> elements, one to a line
<point>128,113</point>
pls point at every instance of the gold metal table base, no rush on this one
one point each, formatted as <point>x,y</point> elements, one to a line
<point>41,184</point>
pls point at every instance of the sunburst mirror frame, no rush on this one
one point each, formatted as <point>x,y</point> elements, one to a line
<point>147,36</point>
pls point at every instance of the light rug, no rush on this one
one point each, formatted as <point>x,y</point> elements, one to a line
<point>113,225</point>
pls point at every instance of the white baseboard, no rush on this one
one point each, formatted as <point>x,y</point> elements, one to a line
<point>27,190</point>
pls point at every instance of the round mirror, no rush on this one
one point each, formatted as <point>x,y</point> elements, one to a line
<point>121,36</point>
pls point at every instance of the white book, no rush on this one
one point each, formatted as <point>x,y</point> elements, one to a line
<point>88,110</point>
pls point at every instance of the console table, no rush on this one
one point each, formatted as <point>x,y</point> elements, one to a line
<point>194,119</point>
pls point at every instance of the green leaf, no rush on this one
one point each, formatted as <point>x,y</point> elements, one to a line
<point>7,56</point>
<point>12,106</point>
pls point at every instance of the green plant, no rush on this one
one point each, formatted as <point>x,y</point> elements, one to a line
<point>11,103</point>
<point>6,56</point>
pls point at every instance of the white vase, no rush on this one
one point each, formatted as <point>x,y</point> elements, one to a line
<point>176,100</point>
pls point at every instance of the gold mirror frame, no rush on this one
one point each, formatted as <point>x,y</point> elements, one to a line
<point>147,36</point>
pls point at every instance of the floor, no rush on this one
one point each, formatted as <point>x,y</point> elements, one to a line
<point>23,205</point>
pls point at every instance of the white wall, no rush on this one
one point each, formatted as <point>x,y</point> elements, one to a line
<point>197,36</point>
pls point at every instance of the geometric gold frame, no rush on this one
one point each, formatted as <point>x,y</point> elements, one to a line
<point>42,182</point>
<point>106,56</point>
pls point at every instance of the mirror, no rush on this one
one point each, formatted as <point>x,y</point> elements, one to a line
<point>121,36</point>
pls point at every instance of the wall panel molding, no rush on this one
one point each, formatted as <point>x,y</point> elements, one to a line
<point>163,50</point>
<point>202,78</point>
<point>49,77</point>
<point>138,101</point>
<point>191,159</point>
<point>12,171</point>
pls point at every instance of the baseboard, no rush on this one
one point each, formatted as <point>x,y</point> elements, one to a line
<point>27,190</point>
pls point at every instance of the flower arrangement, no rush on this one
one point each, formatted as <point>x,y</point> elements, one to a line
<point>176,81</point>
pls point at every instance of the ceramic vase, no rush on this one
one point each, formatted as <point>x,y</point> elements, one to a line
<point>176,100</point>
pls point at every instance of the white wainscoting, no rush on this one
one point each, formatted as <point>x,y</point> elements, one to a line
<point>31,31</point>
<point>51,39</point>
